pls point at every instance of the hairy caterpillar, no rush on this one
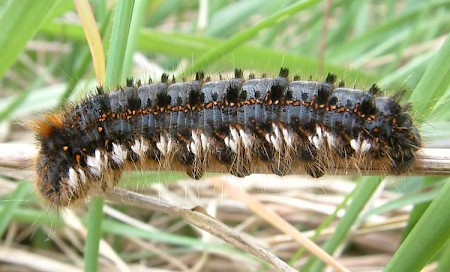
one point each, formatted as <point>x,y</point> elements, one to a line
<point>235,123</point>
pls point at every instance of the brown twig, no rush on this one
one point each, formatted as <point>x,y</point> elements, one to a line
<point>429,162</point>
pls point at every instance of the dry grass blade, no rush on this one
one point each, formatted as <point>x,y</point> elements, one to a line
<point>34,261</point>
<point>105,249</point>
<point>93,38</point>
<point>200,220</point>
<point>17,156</point>
<point>276,220</point>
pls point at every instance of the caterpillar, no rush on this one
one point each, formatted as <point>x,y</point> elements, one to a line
<point>234,123</point>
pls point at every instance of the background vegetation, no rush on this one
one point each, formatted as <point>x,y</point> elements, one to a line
<point>400,224</point>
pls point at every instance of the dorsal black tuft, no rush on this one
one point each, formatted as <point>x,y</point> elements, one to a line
<point>164,78</point>
<point>374,89</point>
<point>331,78</point>
<point>163,99</point>
<point>322,95</point>
<point>130,82</point>
<point>196,97</point>
<point>341,84</point>
<point>297,78</point>
<point>276,92</point>
<point>284,72</point>
<point>100,89</point>
<point>251,76</point>
<point>232,94</point>
<point>238,73</point>
<point>243,95</point>
<point>134,102</point>
<point>199,75</point>
<point>288,95</point>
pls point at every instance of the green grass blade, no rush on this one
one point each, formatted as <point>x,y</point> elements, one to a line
<point>114,75</point>
<point>429,95</point>
<point>94,234</point>
<point>245,35</point>
<point>427,238</point>
<point>358,46</point>
<point>325,223</point>
<point>26,16</point>
<point>230,17</point>
<point>13,204</point>
<point>419,208</point>
<point>181,45</point>
<point>118,43</point>
<point>35,217</point>
<point>361,195</point>
<point>135,26</point>
<point>122,229</point>
<point>405,200</point>
<point>444,261</point>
